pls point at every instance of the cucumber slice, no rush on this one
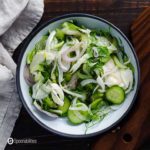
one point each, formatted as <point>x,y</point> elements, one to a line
<point>115,94</point>
<point>48,102</point>
<point>65,107</point>
<point>75,118</point>
<point>97,104</point>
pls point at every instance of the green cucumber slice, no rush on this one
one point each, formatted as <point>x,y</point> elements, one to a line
<point>115,94</point>
<point>48,103</point>
<point>65,107</point>
<point>75,119</point>
<point>98,103</point>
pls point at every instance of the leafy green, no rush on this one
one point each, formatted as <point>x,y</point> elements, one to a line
<point>60,34</point>
<point>94,120</point>
<point>97,95</point>
<point>83,76</point>
<point>90,51</point>
<point>89,87</point>
<point>70,29</point>
<point>131,67</point>
<point>70,26</point>
<point>118,63</point>
<point>98,68</point>
<point>122,56</point>
<point>117,43</point>
<point>54,72</point>
<point>106,33</point>
<point>67,76</point>
<point>38,77</point>
<point>103,54</point>
<point>41,44</point>
<point>30,91</point>
<point>97,115</point>
<point>87,68</point>
<point>45,71</point>
<point>30,56</point>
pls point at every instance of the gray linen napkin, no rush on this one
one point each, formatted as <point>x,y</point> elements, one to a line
<point>17,19</point>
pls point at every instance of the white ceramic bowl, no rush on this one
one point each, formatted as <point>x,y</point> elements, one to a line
<point>61,125</point>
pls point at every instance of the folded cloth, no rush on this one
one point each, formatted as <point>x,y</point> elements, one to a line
<point>17,19</point>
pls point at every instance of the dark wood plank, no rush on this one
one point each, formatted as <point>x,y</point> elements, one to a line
<point>122,14</point>
<point>134,129</point>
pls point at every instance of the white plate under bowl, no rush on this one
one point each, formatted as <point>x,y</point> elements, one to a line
<point>60,125</point>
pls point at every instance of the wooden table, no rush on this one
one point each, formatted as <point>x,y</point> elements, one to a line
<point>121,13</point>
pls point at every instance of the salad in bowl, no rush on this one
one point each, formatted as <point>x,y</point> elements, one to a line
<point>78,73</point>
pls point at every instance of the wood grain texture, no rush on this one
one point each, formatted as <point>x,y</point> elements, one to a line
<point>131,135</point>
<point>121,13</point>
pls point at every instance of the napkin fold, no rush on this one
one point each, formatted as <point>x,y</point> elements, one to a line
<point>17,19</point>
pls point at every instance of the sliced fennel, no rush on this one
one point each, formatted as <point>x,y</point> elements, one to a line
<point>38,92</point>
<point>39,58</point>
<point>101,84</point>
<point>79,63</point>
<point>57,94</point>
<point>49,40</point>
<point>87,81</point>
<point>43,111</point>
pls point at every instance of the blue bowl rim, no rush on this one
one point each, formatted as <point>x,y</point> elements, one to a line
<point>31,36</point>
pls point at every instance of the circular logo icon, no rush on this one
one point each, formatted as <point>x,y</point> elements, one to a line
<point>10,141</point>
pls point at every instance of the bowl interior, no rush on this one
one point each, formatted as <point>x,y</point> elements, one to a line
<point>61,125</point>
